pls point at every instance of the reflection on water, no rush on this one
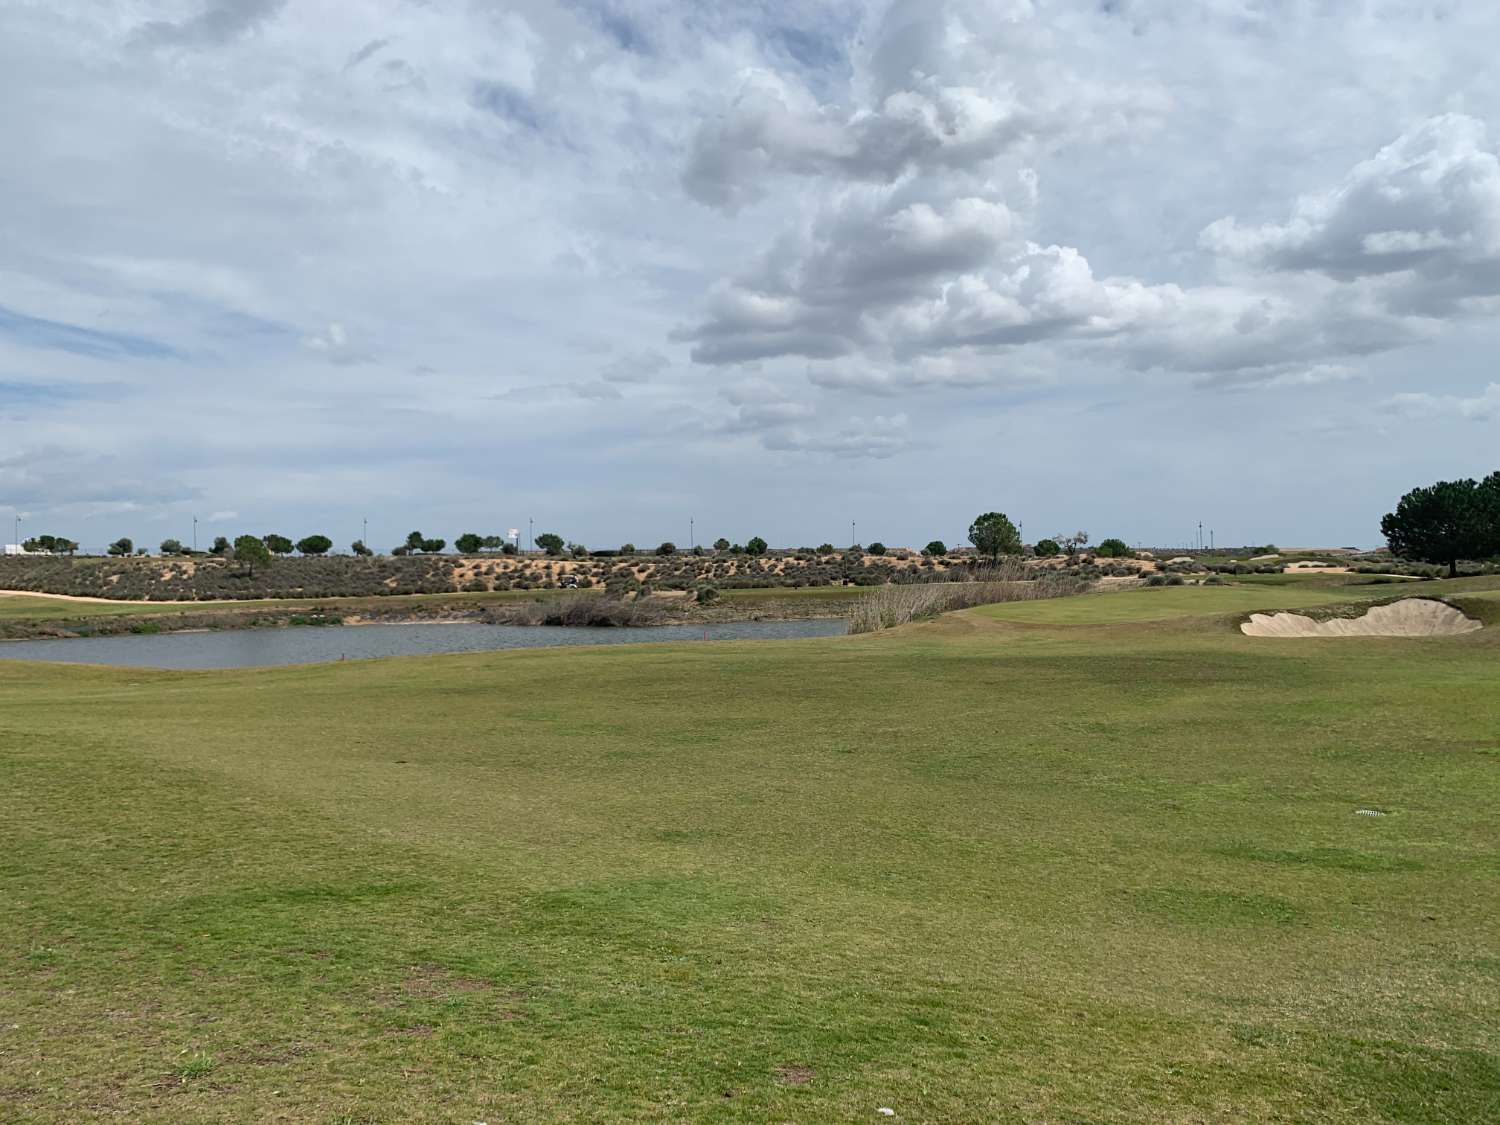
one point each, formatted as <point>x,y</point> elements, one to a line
<point>254,648</point>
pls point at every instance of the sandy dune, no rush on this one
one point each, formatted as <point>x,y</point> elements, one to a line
<point>1411,617</point>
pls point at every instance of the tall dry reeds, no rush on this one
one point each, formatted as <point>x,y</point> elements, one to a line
<point>1007,581</point>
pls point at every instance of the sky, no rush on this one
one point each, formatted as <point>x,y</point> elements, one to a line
<point>775,268</point>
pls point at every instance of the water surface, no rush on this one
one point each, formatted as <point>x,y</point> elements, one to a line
<point>258,648</point>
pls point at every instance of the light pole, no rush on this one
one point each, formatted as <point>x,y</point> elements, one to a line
<point>365,532</point>
<point>18,529</point>
<point>530,536</point>
<point>691,541</point>
<point>853,538</point>
<point>195,535</point>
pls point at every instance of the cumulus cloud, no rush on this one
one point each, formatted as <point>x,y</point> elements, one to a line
<point>219,21</point>
<point>1428,203</point>
<point>946,84</point>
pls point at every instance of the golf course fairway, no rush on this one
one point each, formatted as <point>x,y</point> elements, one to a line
<point>1097,859</point>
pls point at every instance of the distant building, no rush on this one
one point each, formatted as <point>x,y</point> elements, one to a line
<point>16,549</point>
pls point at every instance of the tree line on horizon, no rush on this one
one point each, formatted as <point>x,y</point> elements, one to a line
<point>1439,524</point>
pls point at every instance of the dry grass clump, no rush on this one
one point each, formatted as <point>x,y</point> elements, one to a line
<point>1007,581</point>
<point>586,609</point>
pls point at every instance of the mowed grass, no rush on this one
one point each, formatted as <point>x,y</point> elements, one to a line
<point>972,870</point>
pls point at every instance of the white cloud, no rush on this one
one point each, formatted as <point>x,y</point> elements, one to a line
<point>1483,407</point>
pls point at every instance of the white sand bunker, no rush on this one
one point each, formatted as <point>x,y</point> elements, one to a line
<point>1410,617</point>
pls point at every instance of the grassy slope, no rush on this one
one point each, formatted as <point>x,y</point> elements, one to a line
<point>970,870</point>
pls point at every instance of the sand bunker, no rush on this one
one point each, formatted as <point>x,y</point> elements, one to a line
<point>1411,617</point>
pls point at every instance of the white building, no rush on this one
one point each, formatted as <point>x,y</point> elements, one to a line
<point>16,549</point>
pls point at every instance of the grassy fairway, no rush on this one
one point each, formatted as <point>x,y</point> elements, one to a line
<point>974,870</point>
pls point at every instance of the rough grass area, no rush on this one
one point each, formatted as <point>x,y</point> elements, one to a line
<point>972,870</point>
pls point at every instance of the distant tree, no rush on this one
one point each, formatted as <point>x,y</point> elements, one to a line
<point>121,547</point>
<point>755,546</point>
<point>736,548</point>
<point>550,542</point>
<point>359,548</point>
<point>490,543</point>
<point>1048,548</point>
<point>414,541</point>
<point>315,545</point>
<point>171,547</point>
<point>277,544</point>
<point>400,552</point>
<point>250,550</point>
<point>698,552</point>
<point>1114,549</point>
<point>470,543</point>
<point>578,550</point>
<point>220,547</point>
<point>876,548</point>
<point>827,549</point>
<point>1445,522</point>
<point>667,549</point>
<point>1073,543</point>
<point>509,549</point>
<point>935,549</point>
<point>627,548</point>
<point>994,535</point>
<point>721,544</point>
<point>433,546</point>
<point>50,544</point>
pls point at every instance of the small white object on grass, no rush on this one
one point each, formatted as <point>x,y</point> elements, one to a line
<point>886,1111</point>
<point>1368,812</point>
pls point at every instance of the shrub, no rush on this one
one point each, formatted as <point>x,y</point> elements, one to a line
<point>876,548</point>
<point>627,549</point>
<point>706,593</point>
<point>1048,548</point>
<point>667,549</point>
<point>171,547</point>
<point>1114,549</point>
<point>935,549</point>
<point>827,549</point>
<point>755,546</point>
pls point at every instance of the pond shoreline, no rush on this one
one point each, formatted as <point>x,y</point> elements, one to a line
<point>595,612</point>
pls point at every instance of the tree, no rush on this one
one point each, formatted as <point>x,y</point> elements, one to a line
<point>550,542</point>
<point>414,541</point>
<point>578,550</point>
<point>171,547</point>
<point>1048,548</point>
<point>315,545</point>
<point>698,552</point>
<point>1114,549</point>
<point>121,547</point>
<point>1072,543</point>
<point>755,546</point>
<point>276,544</point>
<point>510,549</point>
<point>470,544</point>
<point>489,543</point>
<point>627,548</point>
<point>220,547</point>
<point>250,550</point>
<point>721,544</point>
<point>876,548</point>
<point>994,535</point>
<point>359,548</point>
<point>935,549</point>
<point>433,546</point>
<point>667,549</point>
<point>827,549</point>
<point>1445,522</point>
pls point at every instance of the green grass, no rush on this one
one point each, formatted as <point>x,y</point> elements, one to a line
<point>982,869</point>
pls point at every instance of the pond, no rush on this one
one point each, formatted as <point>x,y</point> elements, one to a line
<point>259,648</point>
